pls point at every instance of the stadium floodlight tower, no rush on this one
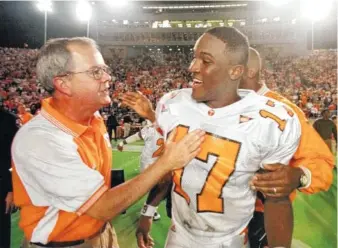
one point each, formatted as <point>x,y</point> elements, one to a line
<point>84,12</point>
<point>45,6</point>
<point>316,10</point>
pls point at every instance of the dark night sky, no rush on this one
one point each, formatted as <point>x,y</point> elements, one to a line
<point>21,22</point>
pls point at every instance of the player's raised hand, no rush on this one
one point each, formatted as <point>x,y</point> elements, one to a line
<point>178,154</point>
<point>140,104</point>
<point>144,240</point>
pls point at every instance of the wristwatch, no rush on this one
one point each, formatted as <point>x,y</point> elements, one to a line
<point>303,181</point>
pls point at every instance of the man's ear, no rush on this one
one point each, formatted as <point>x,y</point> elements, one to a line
<point>236,72</point>
<point>62,85</point>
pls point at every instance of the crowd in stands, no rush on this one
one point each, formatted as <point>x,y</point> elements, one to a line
<point>309,81</point>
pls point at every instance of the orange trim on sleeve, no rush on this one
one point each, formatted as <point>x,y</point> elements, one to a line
<point>92,200</point>
<point>259,206</point>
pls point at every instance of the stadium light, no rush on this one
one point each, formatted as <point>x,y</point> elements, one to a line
<point>316,10</point>
<point>84,12</point>
<point>45,6</point>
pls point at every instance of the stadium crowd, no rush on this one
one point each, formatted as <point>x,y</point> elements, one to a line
<point>308,81</point>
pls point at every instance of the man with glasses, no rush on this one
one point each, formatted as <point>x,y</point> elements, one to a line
<point>62,158</point>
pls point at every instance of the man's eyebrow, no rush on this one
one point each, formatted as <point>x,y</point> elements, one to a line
<point>207,54</point>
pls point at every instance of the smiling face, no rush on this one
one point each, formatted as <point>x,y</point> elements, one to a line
<point>213,74</point>
<point>83,87</point>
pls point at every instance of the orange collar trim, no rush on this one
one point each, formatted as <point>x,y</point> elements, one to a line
<point>61,121</point>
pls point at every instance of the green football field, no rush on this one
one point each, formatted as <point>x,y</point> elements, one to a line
<point>315,215</point>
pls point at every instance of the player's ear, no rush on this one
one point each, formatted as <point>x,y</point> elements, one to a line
<point>236,72</point>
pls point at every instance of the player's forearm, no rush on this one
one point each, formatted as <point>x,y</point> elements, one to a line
<point>158,193</point>
<point>119,198</point>
<point>278,218</point>
<point>131,139</point>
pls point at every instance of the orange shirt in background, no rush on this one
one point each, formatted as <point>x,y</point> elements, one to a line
<point>25,117</point>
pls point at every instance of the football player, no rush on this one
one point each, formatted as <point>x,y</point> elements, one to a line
<point>212,200</point>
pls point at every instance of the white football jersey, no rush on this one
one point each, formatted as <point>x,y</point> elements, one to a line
<point>153,146</point>
<point>212,199</point>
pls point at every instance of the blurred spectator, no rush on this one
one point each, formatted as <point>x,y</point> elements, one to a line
<point>23,114</point>
<point>112,125</point>
<point>326,128</point>
<point>127,121</point>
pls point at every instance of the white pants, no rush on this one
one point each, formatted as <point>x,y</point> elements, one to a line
<point>178,239</point>
<point>127,127</point>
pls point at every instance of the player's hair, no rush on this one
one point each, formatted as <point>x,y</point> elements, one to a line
<point>237,44</point>
<point>55,59</point>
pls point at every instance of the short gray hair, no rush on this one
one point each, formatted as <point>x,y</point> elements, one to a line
<point>55,59</point>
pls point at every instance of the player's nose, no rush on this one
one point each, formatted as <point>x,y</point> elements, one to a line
<point>194,66</point>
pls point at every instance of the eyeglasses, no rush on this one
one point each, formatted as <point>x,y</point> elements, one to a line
<point>95,72</point>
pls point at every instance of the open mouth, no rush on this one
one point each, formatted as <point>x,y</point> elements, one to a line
<point>196,83</point>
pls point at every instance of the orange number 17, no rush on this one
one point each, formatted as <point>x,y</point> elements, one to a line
<point>226,151</point>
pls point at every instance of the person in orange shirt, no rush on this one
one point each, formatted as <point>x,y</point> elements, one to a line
<point>23,114</point>
<point>62,158</point>
<point>310,169</point>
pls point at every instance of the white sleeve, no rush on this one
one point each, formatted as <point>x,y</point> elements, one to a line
<point>286,145</point>
<point>164,120</point>
<point>52,171</point>
<point>135,137</point>
<point>145,132</point>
